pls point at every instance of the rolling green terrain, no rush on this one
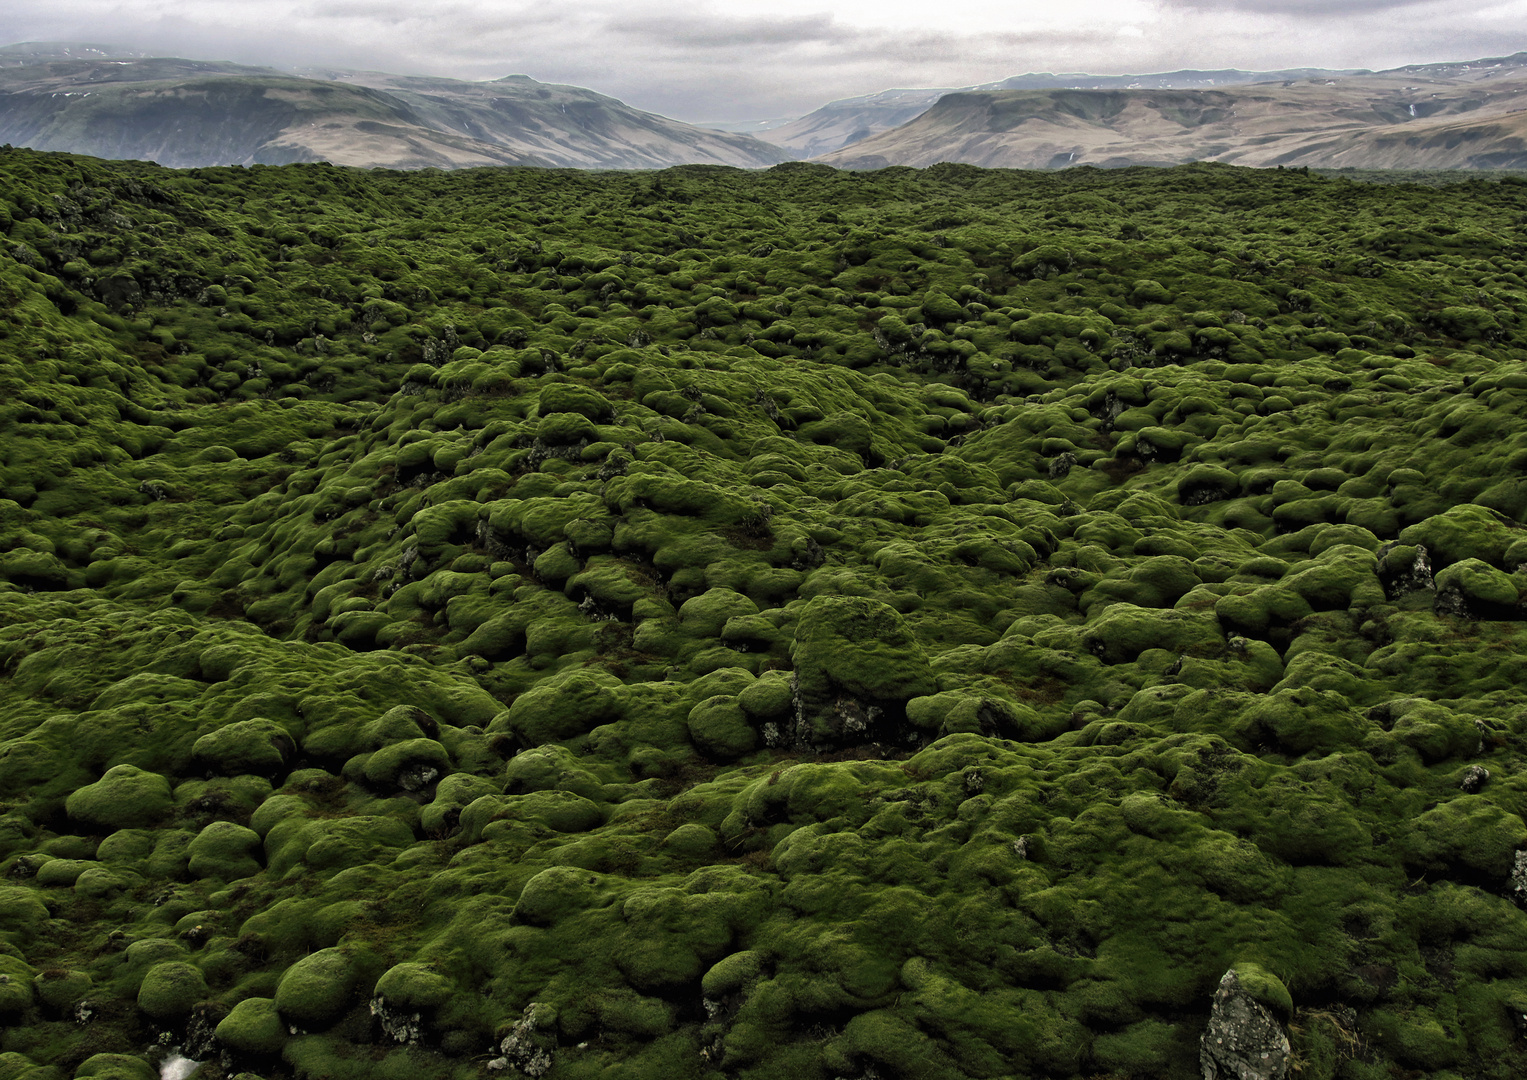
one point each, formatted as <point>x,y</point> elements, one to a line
<point>797,624</point>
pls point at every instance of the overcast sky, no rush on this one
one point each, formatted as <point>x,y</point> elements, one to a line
<point>745,59</point>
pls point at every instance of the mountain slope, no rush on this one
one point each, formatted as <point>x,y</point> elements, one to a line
<point>567,125</point>
<point>187,113</point>
<point>1445,116</point>
<point>184,114</point>
<point>32,52</point>
<point>850,120</point>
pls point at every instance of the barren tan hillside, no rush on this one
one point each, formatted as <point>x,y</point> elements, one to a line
<point>186,113</point>
<point>1470,118</point>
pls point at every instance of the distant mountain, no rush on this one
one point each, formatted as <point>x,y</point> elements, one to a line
<point>30,52</point>
<point>1169,80</point>
<point>186,112</point>
<point>566,126</point>
<point>746,127</point>
<point>851,120</point>
<point>843,123</point>
<point>1440,116</point>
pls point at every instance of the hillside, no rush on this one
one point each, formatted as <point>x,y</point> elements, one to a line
<point>185,113</point>
<point>1466,116</point>
<point>567,125</point>
<point>31,52</point>
<point>850,120</point>
<point>789,625</point>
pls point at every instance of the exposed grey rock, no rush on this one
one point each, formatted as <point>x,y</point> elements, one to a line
<point>1244,1041</point>
<point>1451,601</point>
<point>1474,778</point>
<point>1062,465</point>
<point>1400,576</point>
<point>399,1024</point>
<point>1516,884</point>
<point>525,1049</point>
<point>200,1042</point>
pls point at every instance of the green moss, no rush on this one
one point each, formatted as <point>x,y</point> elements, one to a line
<point>414,986</point>
<point>63,872</point>
<point>599,550</point>
<point>16,987</point>
<point>555,893</point>
<point>253,1026</point>
<point>125,797</point>
<point>318,989</point>
<point>61,989</point>
<point>22,912</point>
<point>1466,832</point>
<point>245,746</point>
<point>224,850</point>
<point>115,1067</point>
<point>859,647</point>
<point>169,990</point>
<point>1479,583</point>
<point>721,729</point>
<point>410,765</point>
<point>1265,988</point>
<point>562,707</point>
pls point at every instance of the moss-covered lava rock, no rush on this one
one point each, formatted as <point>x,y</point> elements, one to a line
<point>783,624</point>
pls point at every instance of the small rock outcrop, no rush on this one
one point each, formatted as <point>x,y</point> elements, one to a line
<point>1244,1040</point>
<point>1474,778</point>
<point>1516,884</point>
<point>856,666</point>
<point>527,1049</point>
<point>1404,569</point>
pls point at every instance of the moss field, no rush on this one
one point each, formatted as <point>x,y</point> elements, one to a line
<point>794,625</point>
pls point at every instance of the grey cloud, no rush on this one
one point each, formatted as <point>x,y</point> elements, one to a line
<point>1305,9</point>
<point>711,32</point>
<point>738,62</point>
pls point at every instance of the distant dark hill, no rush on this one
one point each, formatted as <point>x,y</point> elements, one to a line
<point>1446,116</point>
<point>31,52</point>
<point>188,113</point>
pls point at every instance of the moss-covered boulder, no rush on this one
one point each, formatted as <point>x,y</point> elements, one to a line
<point>1265,988</point>
<point>414,986</point>
<point>115,1067</point>
<point>562,707</point>
<point>318,989</point>
<point>169,990</point>
<point>555,893</point>
<point>225,850</point>
<point>409,765</point>
<point>720,729</point>
<point>256,746</point>
<point>60,989</point>
<point>253,1026</point>
<point>125,797</point>
<point>17,985</point>
<point>856,666</point>
<point>1474,587</point>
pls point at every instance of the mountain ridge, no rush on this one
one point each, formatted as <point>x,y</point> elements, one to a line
<point>845,121</point>
<point>1466,115</point>
<point>187,113</point>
